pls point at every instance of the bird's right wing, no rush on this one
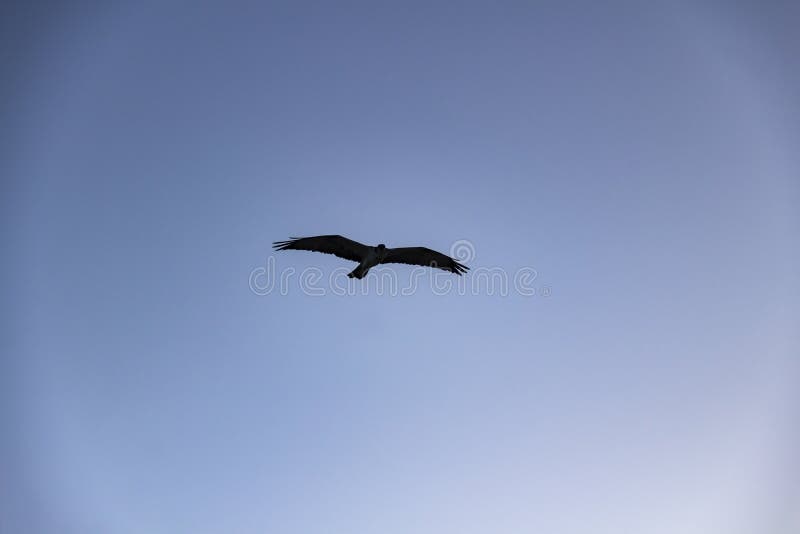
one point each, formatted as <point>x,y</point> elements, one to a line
<point>327,244</point>
<point>425,257</point>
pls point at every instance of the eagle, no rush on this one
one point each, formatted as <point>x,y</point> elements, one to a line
<point>368,257</point>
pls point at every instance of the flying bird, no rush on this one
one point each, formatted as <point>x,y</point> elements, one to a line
<point>368,257</point>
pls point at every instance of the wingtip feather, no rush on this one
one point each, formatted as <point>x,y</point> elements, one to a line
<point>282,245</point>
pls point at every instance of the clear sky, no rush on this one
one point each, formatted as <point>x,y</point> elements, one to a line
<point>642,158</point>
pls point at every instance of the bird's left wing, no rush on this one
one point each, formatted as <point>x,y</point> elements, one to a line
<point>425,257</point>
<point>327,244</point>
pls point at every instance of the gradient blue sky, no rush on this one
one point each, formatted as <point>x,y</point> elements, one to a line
<point>642,158</point>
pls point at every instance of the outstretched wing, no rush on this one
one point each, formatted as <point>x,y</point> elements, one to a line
<point>425,257</point>
<point>327,244</point>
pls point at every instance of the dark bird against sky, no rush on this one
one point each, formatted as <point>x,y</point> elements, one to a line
<point>368,257</point>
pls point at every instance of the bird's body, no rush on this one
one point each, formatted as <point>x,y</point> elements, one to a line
<point>374,256</point>
<point>368,257</point>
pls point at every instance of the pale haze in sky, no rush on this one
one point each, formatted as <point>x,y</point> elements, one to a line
<point>638,161</point>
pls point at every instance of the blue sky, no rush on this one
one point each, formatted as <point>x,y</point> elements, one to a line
<point>642,160</point>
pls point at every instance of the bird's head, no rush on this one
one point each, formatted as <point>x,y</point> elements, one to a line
<point>381,250</point>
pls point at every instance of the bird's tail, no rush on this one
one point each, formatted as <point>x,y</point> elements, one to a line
<point>359,272</point>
